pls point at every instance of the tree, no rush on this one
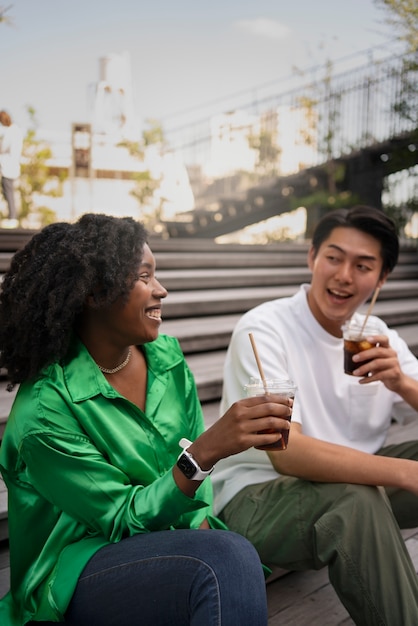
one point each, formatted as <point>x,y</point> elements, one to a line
<point>403,16</point>
<point>154,134</point>
<point>36,180</point>
<point>321,106</point>
<point>268,151</point>
<point>145,184</point>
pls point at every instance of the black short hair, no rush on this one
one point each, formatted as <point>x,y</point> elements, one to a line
<point>46,287</point>
<point>369,220</point>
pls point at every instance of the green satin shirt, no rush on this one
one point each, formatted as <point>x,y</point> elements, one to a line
<point>85,467</point>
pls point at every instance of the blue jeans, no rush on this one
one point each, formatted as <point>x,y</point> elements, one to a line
<point>172,578</point>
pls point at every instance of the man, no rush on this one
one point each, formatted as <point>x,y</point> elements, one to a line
<point>320,502</point>
<point>11,143</point>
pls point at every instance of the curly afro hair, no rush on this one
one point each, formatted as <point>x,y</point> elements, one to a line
<point>48,282</point>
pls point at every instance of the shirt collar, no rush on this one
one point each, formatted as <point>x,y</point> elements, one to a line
<point>84,379</point>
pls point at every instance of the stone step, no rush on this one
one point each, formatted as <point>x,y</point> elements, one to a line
<point>208,302</point>
<point>177,254</point>
<point>227,277</point>
<point>207,366</point>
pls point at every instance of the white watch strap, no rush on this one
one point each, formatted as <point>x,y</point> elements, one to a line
<point>185,443</point>
<point>200,474</point>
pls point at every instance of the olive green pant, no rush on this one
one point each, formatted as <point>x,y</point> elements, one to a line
<point>352,529</point>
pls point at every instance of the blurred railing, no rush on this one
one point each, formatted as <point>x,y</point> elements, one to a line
<point>339,113</point>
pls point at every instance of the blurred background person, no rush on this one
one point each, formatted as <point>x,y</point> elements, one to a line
<point>11,144</point>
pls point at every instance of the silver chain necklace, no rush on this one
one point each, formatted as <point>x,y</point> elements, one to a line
<point>118,367</point>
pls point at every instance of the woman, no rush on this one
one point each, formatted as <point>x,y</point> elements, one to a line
<point>105,510</point>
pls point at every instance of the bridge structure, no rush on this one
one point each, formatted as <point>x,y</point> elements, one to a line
<point>361,127</point>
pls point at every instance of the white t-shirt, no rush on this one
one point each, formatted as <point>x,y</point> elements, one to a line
<point>292,344</point>
<point>11,143</point>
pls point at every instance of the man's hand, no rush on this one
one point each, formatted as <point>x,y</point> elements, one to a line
<point>382,363</point>
<point>384,366</point>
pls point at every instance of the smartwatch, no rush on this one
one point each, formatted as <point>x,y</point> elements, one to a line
<point>188,465</point>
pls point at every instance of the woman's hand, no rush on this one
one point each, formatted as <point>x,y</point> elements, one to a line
<point>241,428</point>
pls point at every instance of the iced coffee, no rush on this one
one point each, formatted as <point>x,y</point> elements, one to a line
<point>355,341</point>
<point>280,387</point>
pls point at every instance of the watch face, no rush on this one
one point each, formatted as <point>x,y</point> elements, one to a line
<point>186,466</point>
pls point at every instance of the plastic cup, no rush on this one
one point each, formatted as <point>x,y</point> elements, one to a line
<point>355,341</point>
<point>281,387</point>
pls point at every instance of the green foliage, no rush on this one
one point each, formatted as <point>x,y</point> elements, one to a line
<point>47,216</point>
<point>407,104</point>
<point>401,214</point>
<point>325,201</point>
<point>154,134</point>
<point>402,16</point>
<point>320,131</point>
<point>35,178</point>
<point>145,186</point>
<point>135,148</point>
<point>308,132</point>
<point>268,151</point>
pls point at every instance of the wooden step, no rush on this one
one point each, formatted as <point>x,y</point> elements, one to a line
<point>222,278</point>
<point>247,257</point>
<point>196,244</point>
<point>396,313</point>
<point>207,367</point>
<point>201,334</point>
<point>15,238</point>
<point>224,301</point>
<point>193,254</point>
<point>227,277</point>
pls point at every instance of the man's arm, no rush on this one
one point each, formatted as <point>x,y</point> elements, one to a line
<point>319,461</point>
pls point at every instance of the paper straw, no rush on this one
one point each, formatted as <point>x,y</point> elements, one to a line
<point>260,367</point>
<point>369,310</point>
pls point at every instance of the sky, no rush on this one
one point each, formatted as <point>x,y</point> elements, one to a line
<point>187,56</point>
